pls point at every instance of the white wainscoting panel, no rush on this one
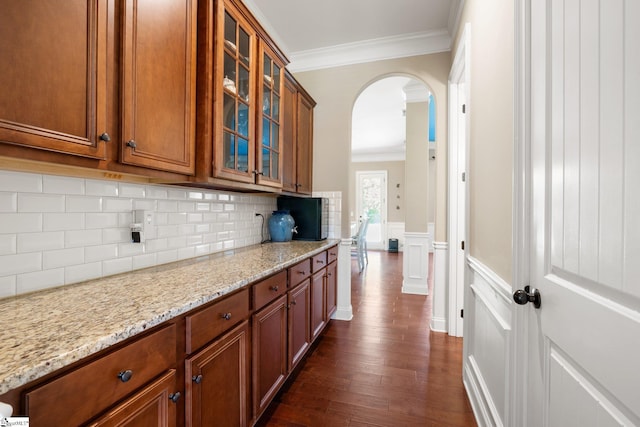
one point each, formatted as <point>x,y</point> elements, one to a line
<point>415,263</point>
<point>487,344</point>
<point>439,295</point>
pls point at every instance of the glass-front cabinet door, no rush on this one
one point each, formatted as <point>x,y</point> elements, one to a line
<point>269,153</point>
<point>234,156</point>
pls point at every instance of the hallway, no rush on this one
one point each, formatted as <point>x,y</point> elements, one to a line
<point>384,368</point>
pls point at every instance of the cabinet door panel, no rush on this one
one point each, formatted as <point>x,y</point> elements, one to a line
<point>52,75</point>
<point>289,136</point>
<point>220,395</point>
<point>304,135</point>
<point>158,84</point>
<point>299,323</point>
<point>269,352</point>
<point>151,407</point>
<point>332,288</point>
<point>318,314</point>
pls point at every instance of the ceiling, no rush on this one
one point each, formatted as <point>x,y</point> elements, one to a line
<point>316,34</point>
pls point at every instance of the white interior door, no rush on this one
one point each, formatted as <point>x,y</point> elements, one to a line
<point>371,202</point>
<point>584,346</point>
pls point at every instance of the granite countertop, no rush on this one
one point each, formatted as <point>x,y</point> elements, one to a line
<point>48,330</point>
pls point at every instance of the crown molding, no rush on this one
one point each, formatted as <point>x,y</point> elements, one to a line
<point>416,92</point>
<point>371,50</point>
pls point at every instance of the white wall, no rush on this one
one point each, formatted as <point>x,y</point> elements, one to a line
<point>58,230</point>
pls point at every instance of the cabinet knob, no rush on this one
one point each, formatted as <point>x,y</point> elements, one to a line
<point>105,137</point>
<point>293,302</point>
<point>131,143</point>
<point>226,316</point>
<point>125,375</point>
<point>174,397</point>
<point>274,288</point>
<point>197,379</point>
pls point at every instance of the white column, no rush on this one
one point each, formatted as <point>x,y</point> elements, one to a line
<point>415,263</point>
<point>344,310</point>
<point>439,296</point>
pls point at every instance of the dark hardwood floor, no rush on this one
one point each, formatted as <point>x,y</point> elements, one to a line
<point>383,368</point>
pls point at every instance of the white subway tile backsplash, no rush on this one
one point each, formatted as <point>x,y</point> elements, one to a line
<point>62,185</point>
<point>165,257</point>
<point>38,242</point>
<point>8,202</point>
<point>30,282</point>
<point>115,266</point>
<point>62,258</point>
<point>62,221</point>
<point>117,205</point>
<point>20,182</point>
<point>188,252</point>
<point>20,222</point>
<point>7,286</point>
<point>144,261</point>
<point>82,272</point>
<point>101,220</point>
<point>8,244</point>
<point>20,263</point>
<point>116,235</point>
<point>56,230</point>
<point>100,252</point>
<point>131,190</point>
<point>77,238</point>
<point>101,188</point>
<point>83,204</point>
<point>32,202</point>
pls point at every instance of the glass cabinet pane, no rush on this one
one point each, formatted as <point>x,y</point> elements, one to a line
<point>243,155</point>
<point>266,101</point>
<point>275,106</point>
<point>229,32</point>
<point>276,78</point>
<point>229,81</point>
<point>229,116</point>
<point>244,84</point>
<point>243,119</point>
<point>266,132</point>
<point>244,47</point>
<point>274,166</point>
<point>229,150</point>
<point>266,162</point>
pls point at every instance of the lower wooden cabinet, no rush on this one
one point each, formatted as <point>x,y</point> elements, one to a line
<point>299,300</point>
<point>318,295</point>
<point>269,353</point>
<point>154,405</point>
<point>217,381</point>
<point>237,352</point>
<point>332,289</point>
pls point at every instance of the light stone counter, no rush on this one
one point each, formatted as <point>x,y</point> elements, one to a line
<point>45,331</point>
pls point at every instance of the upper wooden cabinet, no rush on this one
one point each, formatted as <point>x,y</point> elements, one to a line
<point>53,75</point>
<point>297,112</point>
<point>158,84</point>
<point>240,84</point>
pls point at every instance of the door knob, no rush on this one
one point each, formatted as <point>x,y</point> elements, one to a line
<point>527,295</point>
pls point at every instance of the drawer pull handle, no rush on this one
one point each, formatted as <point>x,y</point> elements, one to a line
<point>197,379</point>
<point>174,397</point>
<point>125,375</point>
<point>131,143</point>
<point>226,316</point>
<point>294,302</point>
<point>274,288</point>
<point>302,272</point>
<point>320,261</point>
<point>332,253</point>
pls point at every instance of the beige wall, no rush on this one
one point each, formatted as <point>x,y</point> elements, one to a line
<point>335,91</point>
<point>417,167</point>
<point>491,134</point>
<point>395,188</point>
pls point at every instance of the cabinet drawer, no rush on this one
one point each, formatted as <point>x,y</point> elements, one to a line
<point>332,254</point>
<point>269,289</point>
<point>318,262</point>
<point>299,272</point>
<point>92,388</point>
<point>210,322</point>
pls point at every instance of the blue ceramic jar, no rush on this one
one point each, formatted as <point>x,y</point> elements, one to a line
<point>281,226</point>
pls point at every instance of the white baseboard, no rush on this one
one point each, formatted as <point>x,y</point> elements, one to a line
<point>438,324</point>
